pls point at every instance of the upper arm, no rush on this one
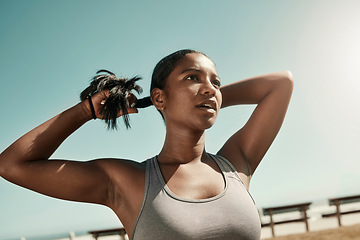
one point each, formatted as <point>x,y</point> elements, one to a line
<point>247,146</point>
<point>90,181</point>
<point>25,163</point>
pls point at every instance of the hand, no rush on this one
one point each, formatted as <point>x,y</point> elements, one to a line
<point>99,99</point>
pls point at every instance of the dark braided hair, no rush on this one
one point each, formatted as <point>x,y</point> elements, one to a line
<point>120,88</point>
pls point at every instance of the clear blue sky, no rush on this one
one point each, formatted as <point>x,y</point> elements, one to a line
<point>50,49</point>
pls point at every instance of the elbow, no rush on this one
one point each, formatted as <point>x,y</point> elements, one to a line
<point>9,171</point>
<point>288,77</point>
<point>7,165</point>
<point>2,167</point>
<point>286,80</point>
<point>2,164</point>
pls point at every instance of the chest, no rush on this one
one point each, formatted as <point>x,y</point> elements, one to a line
<point>198,185</point>
<point>229,215</point>
<point>195,180</point>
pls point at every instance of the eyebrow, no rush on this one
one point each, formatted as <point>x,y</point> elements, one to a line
<point>196,70</point>
<point>190,69</point>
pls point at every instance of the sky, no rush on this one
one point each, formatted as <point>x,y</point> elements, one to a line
<point>49,50</point>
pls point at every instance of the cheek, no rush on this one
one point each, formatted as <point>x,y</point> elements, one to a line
<point>176,99</point>
<point>219,98</point>
<point>182,94</point>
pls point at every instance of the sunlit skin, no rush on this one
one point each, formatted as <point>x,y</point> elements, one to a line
<point>193,82</point>
<point>190,104</point>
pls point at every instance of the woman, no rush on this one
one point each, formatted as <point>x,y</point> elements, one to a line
<point>184,192</point>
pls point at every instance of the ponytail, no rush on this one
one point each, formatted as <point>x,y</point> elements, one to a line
<point>144,102</point>
<point>119,89</point>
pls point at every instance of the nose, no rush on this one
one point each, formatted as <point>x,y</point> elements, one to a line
<point>207,88</point>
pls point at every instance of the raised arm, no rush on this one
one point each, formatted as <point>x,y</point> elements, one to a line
<point>271,92</point>
<point>26,162</point>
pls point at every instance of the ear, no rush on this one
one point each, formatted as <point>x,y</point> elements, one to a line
<point>158,98</point>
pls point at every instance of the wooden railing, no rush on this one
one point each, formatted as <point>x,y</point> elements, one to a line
<point>340,201</point>
<point>115,231</point>
<point>271,211</point>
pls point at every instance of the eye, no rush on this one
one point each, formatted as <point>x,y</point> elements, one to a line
<point>217,83</point>
<point>192,78</point>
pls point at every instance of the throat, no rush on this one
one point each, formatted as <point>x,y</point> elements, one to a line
<point>183,151</point>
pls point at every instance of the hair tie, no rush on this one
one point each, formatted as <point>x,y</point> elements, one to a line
<point>144,102</point>
<point>119,89</point>
<point>92,108</point>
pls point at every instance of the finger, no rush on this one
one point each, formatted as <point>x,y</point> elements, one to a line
<point>132,100</point>
<point>129,110</point>
<point>100,97</point>
<point>132,110</point>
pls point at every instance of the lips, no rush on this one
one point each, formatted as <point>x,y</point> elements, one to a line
<point>208,106</point>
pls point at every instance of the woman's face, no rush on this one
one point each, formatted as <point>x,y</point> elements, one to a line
<point>192,93</point>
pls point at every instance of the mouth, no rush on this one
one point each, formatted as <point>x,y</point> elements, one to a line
<point>207,106</point>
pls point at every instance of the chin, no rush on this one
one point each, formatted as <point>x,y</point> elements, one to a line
<point>209,126</point>
<point>203,123</point>
<point>210,123</point>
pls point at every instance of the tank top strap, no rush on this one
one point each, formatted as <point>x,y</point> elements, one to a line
<point>152,187</point>
<point>230,171</point>
<point>226,166</point>
<point>154,177</point>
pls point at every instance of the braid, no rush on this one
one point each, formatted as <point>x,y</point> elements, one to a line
<point>119,89</point>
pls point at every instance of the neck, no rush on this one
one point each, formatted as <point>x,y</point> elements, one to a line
<point>182,147</point>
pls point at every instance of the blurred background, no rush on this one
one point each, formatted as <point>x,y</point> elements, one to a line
<point>49,50</point>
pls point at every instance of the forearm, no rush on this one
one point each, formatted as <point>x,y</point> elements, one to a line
<point>255,89</point>
<point>41,142</point>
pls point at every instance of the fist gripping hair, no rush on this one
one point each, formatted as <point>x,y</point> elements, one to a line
<point>119,91</point>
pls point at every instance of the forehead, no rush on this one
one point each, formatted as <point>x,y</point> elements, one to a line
<point>197,61</point>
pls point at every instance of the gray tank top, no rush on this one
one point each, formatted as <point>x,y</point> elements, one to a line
<point>231,215</point>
